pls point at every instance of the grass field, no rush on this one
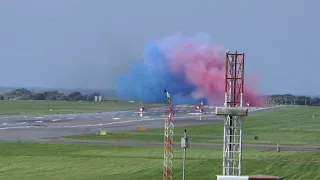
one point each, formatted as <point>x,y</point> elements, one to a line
<point>31,161</point>
<point>43,107</point>
<point>293,125</point>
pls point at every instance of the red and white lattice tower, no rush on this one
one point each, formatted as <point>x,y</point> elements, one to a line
<point>233,111</point>
<point>168,143</point>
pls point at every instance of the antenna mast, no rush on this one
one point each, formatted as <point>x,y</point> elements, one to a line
<point>168,143</point>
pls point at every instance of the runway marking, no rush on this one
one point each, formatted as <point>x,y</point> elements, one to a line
<point>116,118</point>
<point>195,113</point>
<point>18,127</point>
<point>39,121</point>
<point>39,117</point>
<point>111,123</point>
<point>55,120</point>
<point>123,122</point>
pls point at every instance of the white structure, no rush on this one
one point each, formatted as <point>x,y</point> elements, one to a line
<point>233,111</point>
<point>232,177</point>
<point>98,98</point>
<point>254,177</point>
<point>232,141</point>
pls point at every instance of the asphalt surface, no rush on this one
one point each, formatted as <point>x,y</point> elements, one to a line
<point>50,128</point>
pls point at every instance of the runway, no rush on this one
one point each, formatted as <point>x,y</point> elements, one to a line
<point>49,128</point>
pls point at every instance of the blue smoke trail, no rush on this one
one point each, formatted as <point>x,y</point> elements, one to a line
<point>145,80</point>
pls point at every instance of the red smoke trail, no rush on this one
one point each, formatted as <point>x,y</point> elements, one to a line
<point>204,66</point>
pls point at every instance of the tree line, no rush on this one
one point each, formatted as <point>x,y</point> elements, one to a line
<point>25,94</point>
<point>288,99</point>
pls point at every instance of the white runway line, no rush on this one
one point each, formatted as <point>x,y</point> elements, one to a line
<point>18,127</point>
<point>39,121</point>
<point>124,122</point>
<point>111,123</point>
<point>116,118</point>
<point>195,113</point>
<point>55,120</point>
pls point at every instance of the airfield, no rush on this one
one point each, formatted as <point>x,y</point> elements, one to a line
<point>51,146</point>
<point>52,128</point>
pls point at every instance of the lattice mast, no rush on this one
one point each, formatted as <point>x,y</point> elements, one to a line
<point>234,84</point>
<point>168,143</point>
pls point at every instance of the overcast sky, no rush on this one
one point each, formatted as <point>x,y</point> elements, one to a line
<point>86,43</point>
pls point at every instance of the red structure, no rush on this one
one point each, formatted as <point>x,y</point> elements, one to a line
<point>168,143</point>
<point>234,85</point>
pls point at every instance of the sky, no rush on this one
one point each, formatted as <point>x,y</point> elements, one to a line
<point>87,43</point>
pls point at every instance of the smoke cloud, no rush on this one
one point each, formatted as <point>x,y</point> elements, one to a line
<point>191,69</point>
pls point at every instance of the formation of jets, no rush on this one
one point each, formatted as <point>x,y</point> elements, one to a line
<point>142,109</point>
<point>200,107</point>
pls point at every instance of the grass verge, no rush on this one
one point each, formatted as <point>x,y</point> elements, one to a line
<point>287,126</point>
<point>35,161</point>
<point>44,107</point>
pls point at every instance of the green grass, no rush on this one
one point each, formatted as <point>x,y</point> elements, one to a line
<point>43,107</point>
<point>294,125</point>
<point>35,161</point>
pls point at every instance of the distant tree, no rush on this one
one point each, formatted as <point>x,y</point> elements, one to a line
<point>38,96</point>
<point>20,92</point>
<point>62,98</point>
<point>52,95</point>
<point>53,98</point>
<point>288,99</point>
<point>79,98</point>
<point>1,97</point>
<point>17,93</point>
<point>75,96</point>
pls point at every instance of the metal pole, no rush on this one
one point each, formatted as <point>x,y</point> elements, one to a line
<point>184,157</point>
